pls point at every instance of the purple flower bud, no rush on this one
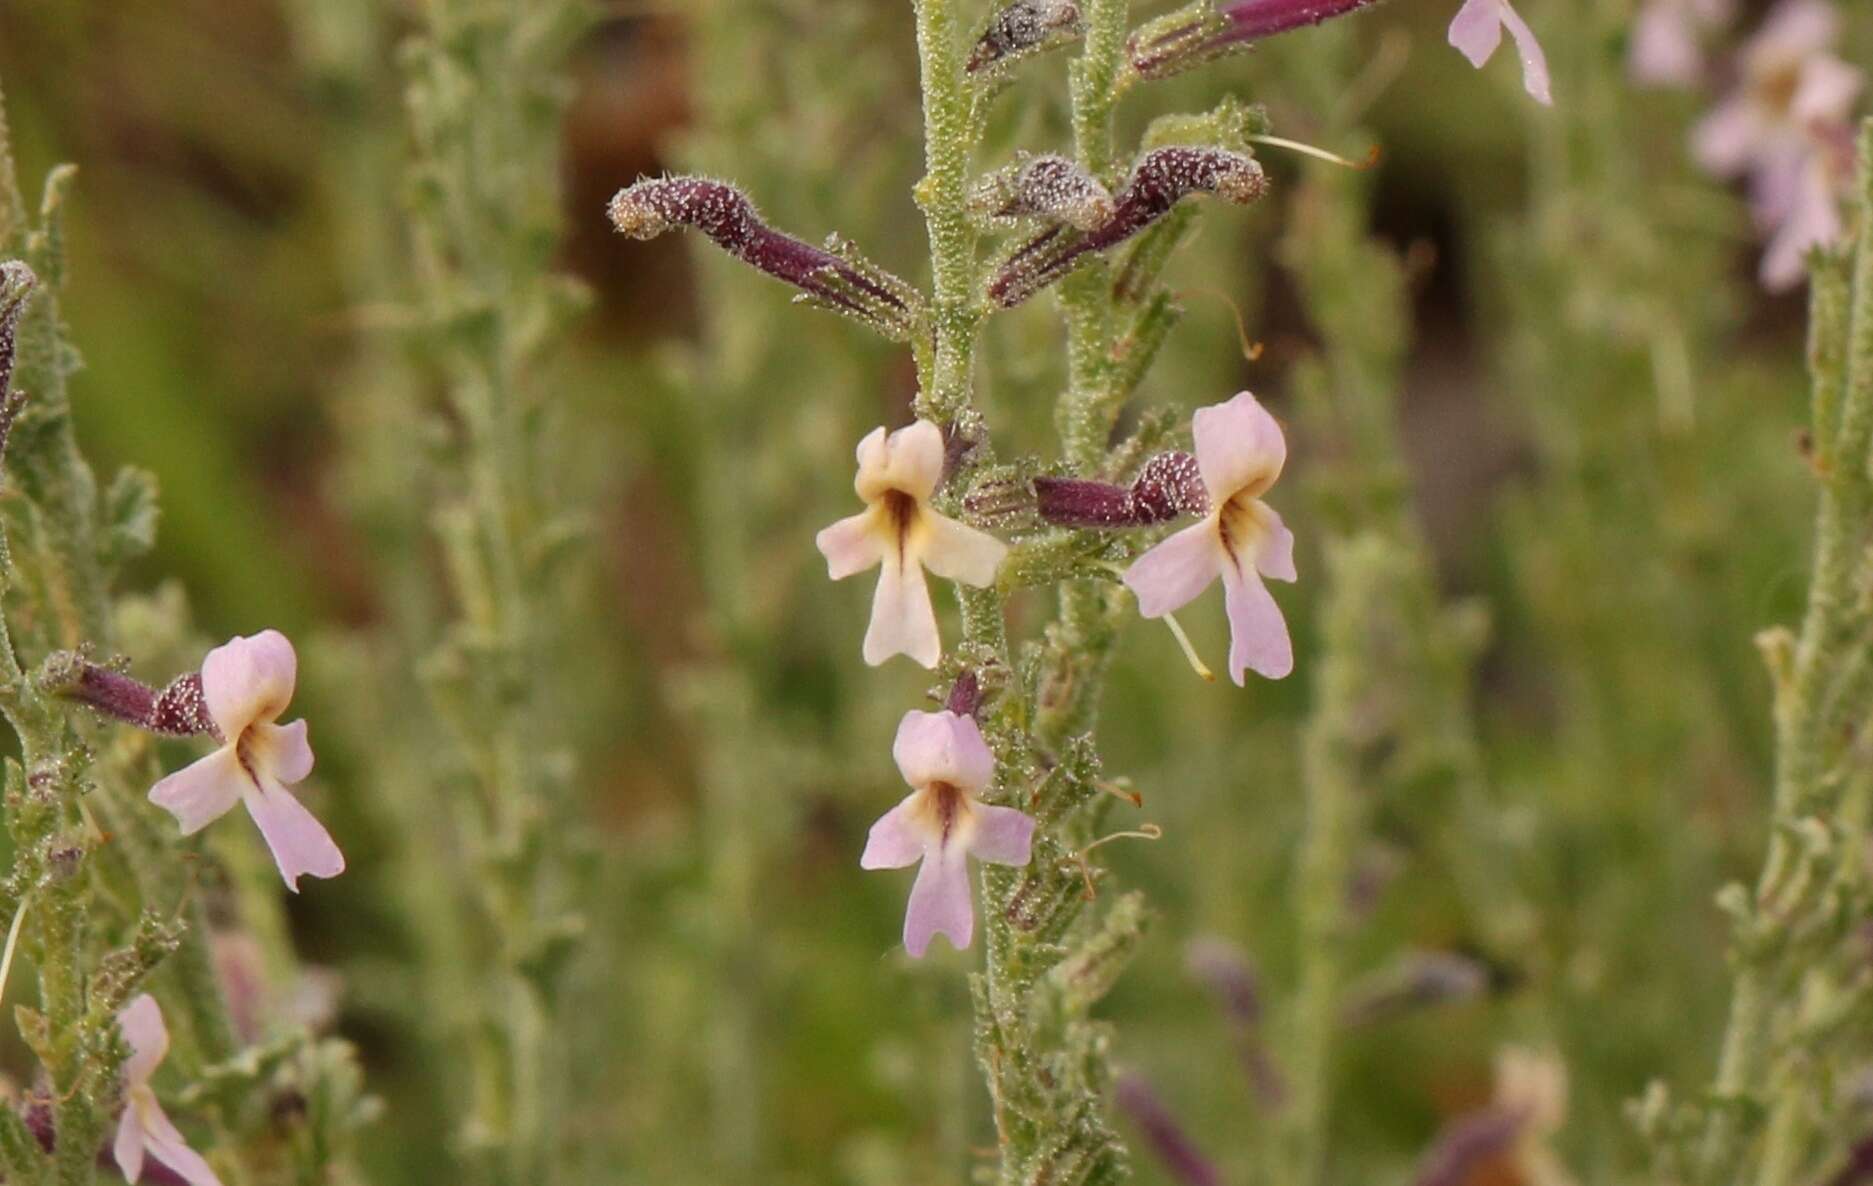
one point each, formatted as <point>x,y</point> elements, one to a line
<point>965,694</point>
<point>1421,980</point>
<point>1170,485</point>
<point>1222,968</point>
<point>723,213</point>
<point>1162,178</point>
<point>1167,487</point>
<point>1227,972</point>
<point>1181,1158</point>
<point>1046,187</point>
<point>16,285</point>
<point>177,711</point>
<point>1023,28</point>
<point>1203,31</point>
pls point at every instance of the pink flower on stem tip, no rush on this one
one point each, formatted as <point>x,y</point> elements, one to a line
<point>144,1128</point>
<point>246,685</point>
<point>1476,31</point>
<point>1240,452</point>
<point>941,822</point>
<point>898,530</point>
<point>1787,126</point>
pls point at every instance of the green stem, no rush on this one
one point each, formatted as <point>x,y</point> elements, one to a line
<point>1801,785</point>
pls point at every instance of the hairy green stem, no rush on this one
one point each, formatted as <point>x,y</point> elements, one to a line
<point>1843,379</point>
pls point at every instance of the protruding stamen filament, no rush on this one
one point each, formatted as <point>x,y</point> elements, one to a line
<point>1190,652</point>
<point>1372,154</point>
<point>12,944</point>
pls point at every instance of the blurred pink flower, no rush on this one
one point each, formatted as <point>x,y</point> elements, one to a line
<point>941,822</point>
<point>246,684</point>
<point>897,473</point>
<point>1477,29</point>
<point>1665,49</point>
<point>144,1127</point>
<point>1787,127</point>
<point>1240,452</point>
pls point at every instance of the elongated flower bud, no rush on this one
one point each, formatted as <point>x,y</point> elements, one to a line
<point>1200,32</point>
<point>1022,29</point>
<point>1422,980</point>
<point>1168,486</point>
<point>1162,178</point>
<point>831,277</point>
<point>1046,187</point>
<point>1163,1135</point>
<point>16,285</point>
<point>178,710</point>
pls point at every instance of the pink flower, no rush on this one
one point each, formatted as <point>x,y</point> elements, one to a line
<point>897,474</point>
<point>942,755</point>
<point>1665,50</point>
<point>144,1127</point>
<point>1477,31</point>
<point>246,685</point>
<point>1240,452</point>
<point>1787,126</point>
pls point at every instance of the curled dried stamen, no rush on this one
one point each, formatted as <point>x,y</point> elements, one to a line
<point>832,277</point>
<point>1163,177</point>
<point>1141,832</point>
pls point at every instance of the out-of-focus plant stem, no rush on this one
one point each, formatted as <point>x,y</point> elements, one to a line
<point>481,100</point>
<point>1777,979</point>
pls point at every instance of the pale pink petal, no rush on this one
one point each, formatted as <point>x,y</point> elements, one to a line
<point>1258,635</point>
<point>1172,574</point>
<point>958,552</point>
<point>203,792</point>
<point>247,680</point>
<point>127,1149</point>
<point>1274,555</point>
<point>943,747</point>
<point>166,1145</point>
<point>141,1024</point>
<point>1003,835</point>
<point>902,620</point>
<point>897,839</point>
<point>1826,91</point>
<point>851,545</point>
<point>909,460</point>
<point>939,904</point>
<point>300,844</point>
<point>285,750</point>
<point>1240,449</point>
<point>1794,30</point>
<point>1814,221</point>
<point>1727,140</point>
<point>1534,62</point>
<point>1664,50</point>
<point>1776,183</point>
<point>1476,30</point>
